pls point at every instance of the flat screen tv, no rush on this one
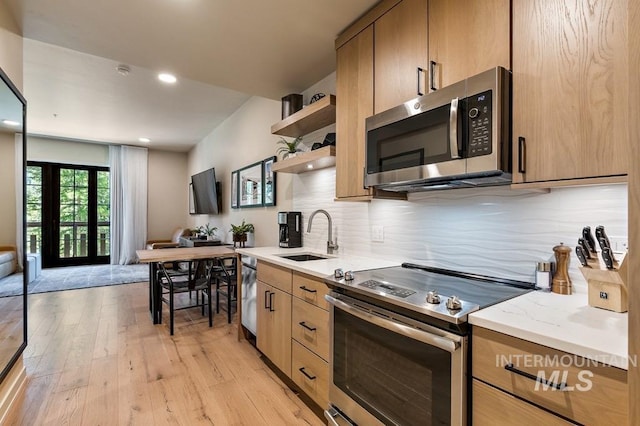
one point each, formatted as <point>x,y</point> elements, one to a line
<point>207,198</point>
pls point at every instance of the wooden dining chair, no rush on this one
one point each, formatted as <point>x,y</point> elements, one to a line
<point>227,283</point>
<point>199,279</point>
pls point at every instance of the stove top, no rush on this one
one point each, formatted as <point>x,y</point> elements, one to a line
<point>447,295</point>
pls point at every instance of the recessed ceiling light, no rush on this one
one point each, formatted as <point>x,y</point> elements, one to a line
<point>167,78</point>
<point>146,140</point>
<point>10,122</point>
<point>309,166</point>
<point>123,69</point>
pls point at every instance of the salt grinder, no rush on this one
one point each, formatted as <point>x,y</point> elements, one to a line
<point>561,282</point>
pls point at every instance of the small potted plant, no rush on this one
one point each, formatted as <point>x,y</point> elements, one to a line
<point>289,148</point>
<point>239,232</point>
<point>209,231</point>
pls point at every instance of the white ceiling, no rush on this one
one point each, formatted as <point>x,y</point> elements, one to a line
<point>222,52</point>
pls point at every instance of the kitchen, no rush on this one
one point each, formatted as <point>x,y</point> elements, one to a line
<point>495,231</point>
<point>491,231</point>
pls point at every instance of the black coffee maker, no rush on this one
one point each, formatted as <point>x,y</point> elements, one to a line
<point>290,233</point>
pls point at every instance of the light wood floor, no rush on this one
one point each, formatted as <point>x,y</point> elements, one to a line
<point>95,358</point>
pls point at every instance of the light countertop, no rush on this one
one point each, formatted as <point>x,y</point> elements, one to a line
<point>566,323</point>
<point>317,268</point>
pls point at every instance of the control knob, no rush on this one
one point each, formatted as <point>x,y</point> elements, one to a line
<point>349,276</point>
<point>473,112</point>
<point>433,297</point>
<point>338,273</point>
<point>454,304</point>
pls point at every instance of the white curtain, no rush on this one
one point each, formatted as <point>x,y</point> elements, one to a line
<point>128,171</point>
<point>20,244</point>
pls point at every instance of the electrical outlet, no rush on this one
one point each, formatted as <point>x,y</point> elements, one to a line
<point>619,244</point>
<point>377,233</point>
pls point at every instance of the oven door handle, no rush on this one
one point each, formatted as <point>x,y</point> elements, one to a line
<point>410,332</point>
<point>334,418</point>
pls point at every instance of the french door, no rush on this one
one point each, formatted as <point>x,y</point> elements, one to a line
<point>72,226</point>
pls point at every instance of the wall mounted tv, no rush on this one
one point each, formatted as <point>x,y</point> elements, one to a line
<point>207,197</point>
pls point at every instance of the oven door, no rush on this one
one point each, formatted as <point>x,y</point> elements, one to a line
<point>393,370</point>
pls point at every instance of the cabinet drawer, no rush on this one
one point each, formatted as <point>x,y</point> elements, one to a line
<point>595,393</point>
<point>310,290</point>
<point>274,275</point>
<point>315,382</point>
<point>492,407</point>
<point>310,327</point>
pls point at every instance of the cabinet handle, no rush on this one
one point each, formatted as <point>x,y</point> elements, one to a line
<point>419,70</point>
<point>432,75</point>
<point>271,302</point>
<point>304,324</point>
<point>308,290</point>
<point>522,154</point>
<point>559,386</point>
<point>309,376</point>
<point>266,305</point>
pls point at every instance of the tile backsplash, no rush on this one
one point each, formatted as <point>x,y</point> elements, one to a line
<point>492,231</point>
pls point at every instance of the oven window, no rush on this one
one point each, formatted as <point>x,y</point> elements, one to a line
<point>397,379</point>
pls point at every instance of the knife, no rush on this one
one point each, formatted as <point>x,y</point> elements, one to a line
<point>602,235</point>
<point>607,257</point>
<point>588,238</point>
<point>604,244</point>
<point>581,256</point>
<point>585,248</point>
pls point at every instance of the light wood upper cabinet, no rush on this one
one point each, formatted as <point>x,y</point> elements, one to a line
<point>570,84</point>
<point>354,90</point>
<point>467,38</point>
<point>400,50</point>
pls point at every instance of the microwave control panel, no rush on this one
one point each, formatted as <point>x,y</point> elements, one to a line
<point>479,121</point>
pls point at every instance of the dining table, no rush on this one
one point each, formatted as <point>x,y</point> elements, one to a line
<point>180,254</point>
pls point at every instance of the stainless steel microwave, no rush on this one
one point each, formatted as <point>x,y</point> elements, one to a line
<point>458,136</point>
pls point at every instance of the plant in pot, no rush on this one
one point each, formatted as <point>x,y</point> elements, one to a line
<point>289,148</point>
<point>239,232</point>
<point>209,231</point>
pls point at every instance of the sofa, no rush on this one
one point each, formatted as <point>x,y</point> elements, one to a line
<point>8,260</point>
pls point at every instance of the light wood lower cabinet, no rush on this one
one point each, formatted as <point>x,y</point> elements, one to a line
<point>590,393</point>
<point>273,336</point>
<point>311,373</point>
<point>293,327</point>
<point>493,407</point>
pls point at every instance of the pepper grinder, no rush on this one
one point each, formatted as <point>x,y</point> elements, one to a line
<point>561,282</point>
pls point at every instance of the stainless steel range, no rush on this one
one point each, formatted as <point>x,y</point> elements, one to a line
<point>400,343</point>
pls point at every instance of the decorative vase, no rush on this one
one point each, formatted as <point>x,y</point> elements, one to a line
<point>240,239</point>
<point>291,154</point>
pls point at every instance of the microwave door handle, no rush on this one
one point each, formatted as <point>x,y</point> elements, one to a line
<point>453,129</point>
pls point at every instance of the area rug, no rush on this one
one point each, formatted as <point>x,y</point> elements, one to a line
<point>73,277</point>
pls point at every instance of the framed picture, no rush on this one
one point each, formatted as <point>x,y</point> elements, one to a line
<point>234,189</point>
<point>269,180</point>
<point>251,185</point>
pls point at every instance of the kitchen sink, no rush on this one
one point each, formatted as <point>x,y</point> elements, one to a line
<point>303,257</point>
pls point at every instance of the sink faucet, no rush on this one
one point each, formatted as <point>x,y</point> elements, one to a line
<point>331,246</point>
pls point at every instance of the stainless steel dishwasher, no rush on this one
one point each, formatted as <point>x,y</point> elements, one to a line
<point>249,292</point>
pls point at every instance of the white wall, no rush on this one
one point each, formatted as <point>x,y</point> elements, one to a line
<point>67,152</point>
<point>168,206</point>
<point>242,139</point>
<point>7,189</point>
<point>10,47</point>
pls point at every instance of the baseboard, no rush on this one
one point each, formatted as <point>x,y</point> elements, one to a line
<point>10,388</point>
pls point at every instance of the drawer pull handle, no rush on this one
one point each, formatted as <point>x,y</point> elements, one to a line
<point>308,290</point>
<point>304,324</point>
<point>309,376</point>
<point>559,386</point>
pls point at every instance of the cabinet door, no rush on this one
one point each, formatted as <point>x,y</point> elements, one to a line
<point>400,49</point>
<point>274,326</point>
<point>354,103</point>
<point>570,80</point>
<point>467,38</point>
